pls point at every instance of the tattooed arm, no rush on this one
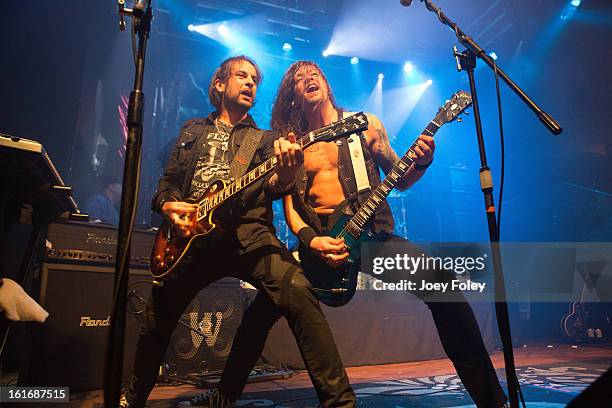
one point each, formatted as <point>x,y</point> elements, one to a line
<point>384,155</point>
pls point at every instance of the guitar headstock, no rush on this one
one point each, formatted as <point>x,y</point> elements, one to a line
<point>352,124</point>
<point>459,102</point>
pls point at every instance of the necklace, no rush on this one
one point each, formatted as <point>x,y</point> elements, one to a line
<point>226,130</point>
<point>226,127</point>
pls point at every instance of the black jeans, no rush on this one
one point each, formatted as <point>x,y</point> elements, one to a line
<point>283,291</point>
<point>455,321</point>
<point>458,330</point>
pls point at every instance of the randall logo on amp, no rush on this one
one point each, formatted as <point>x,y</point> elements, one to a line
<point>87,321</point>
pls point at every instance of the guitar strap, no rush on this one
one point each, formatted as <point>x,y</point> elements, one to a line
<point>357,159</point>
<point>241,161</point>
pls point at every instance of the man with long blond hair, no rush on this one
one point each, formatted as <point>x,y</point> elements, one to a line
<point>305,102</point>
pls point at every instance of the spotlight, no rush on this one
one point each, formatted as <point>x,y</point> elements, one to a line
<point>493,55</point>
<point>428,82</point>
<point>326,52</point>
<point>354,61</point>
<point>381,76</point>
<point>222,29</point>
<point>287,47</point>
<point>190,27</point>
<point>408,68</point>
<point>575,3</point>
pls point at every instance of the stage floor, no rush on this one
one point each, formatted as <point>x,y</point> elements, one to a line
<point>551,374</point>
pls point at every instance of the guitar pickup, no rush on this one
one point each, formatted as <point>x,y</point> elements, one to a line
<point>354,230</point>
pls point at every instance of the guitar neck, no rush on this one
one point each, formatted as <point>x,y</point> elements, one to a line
<point>359,221</point>
<point>210,202</point>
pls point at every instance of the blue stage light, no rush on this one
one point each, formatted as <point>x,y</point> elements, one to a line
<point>190,27</point>
<point>428,82</point>
<point>575,3</point>
<point>493,55</point>
<point>325,52</point>
<point>408,68</point>
<point>354,60</point>
<point>222,29</point>
<point>287,47</point>
<point>381,76</point>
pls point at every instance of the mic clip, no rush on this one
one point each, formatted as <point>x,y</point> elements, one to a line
<point>122,11</point>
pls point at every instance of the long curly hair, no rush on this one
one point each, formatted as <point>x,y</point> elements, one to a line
<point>287,115</point>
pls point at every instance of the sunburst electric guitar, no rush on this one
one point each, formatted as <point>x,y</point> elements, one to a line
<point>336,286</point>
<point>170,245</point>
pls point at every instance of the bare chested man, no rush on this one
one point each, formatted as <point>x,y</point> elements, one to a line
<point>310,93</point>
<point>305,102</point>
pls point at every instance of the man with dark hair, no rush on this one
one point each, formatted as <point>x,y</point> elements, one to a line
<point>101,207</point>
<point>248,249</point>
<point>328,180</point>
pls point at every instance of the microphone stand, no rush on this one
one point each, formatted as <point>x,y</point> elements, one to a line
<point>466,61</point>
<point>113,367</point>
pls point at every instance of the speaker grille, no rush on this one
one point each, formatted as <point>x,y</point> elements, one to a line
<point>216,311</point>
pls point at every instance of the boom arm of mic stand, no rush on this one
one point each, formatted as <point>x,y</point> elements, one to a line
<point>470,44</point>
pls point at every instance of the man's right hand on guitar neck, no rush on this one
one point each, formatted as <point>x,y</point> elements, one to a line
<point>180,214</point>
<point>331,250</point>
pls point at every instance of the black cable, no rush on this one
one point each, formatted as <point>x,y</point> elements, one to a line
<point>503,152</point>
<point>134,52</point>
<point>502,177</point>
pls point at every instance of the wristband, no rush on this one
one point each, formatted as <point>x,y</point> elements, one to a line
<point>276,187</point>
<point>306,235</point>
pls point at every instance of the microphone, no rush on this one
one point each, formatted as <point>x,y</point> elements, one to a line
<point>406,3</point>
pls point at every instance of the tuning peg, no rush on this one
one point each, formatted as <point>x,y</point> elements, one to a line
<point>459,119</point>
<point>467,113</point>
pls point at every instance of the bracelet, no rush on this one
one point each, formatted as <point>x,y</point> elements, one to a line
<point>285,187</point>
<point>306,235</point>
<point>276,186</point>
<point>164,201</point>
<point>422,167</point>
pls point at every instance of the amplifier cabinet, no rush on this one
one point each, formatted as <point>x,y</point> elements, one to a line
<point>216,312</point>
<point>68,349</point>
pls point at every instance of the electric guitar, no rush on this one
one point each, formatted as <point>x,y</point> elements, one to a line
<point>574,324</point>
<point>336,286</point>
<point>170,246</point>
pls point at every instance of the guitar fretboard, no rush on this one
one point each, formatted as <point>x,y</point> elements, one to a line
<point>215,200</point>
<point>359,221</point>
<point>351,124</point>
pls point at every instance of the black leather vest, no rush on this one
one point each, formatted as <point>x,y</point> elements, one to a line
<point>383,219</point>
